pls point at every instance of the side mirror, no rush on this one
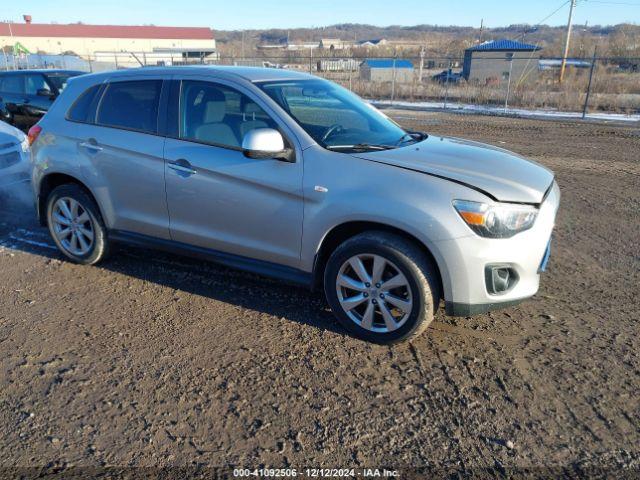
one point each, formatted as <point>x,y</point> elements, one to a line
<point>45,92</point>
<point>266,143</point>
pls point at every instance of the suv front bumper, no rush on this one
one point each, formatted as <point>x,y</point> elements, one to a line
<point>467,259</point>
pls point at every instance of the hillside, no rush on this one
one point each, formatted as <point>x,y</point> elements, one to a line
<point>617,40</point>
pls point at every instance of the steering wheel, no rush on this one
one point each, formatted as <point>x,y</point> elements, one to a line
<point>332,130</point>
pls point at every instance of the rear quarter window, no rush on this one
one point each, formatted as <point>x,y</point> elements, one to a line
<point>84,108</point>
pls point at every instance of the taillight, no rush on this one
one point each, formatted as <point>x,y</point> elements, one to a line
<point>32,136</point>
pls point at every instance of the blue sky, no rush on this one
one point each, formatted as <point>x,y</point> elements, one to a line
<point>244,14</point>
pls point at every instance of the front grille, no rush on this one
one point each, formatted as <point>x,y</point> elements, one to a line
<point>8,159</point>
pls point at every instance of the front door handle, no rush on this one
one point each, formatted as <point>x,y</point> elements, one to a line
<point>182,167</point>
<point>91,144</point>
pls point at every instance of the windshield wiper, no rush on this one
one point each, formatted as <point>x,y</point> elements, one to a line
<point>360,146</point>
<point>412,136</point>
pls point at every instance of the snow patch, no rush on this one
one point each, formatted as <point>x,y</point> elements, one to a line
<point>495,110</point>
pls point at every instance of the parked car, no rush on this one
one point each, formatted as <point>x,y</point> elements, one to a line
<point>26,95</point>
<point>14,156</point>
<point>4,113</point>
<point>285,174</point>
<point>447,76</point>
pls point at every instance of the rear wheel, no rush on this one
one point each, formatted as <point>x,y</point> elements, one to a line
<point>382,287</point>
<point>76,225</point>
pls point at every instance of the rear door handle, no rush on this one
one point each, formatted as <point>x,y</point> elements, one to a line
<point>91,144</point>
<point>182,167</point>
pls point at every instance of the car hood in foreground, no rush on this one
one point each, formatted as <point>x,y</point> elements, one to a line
<point>501,174</point>
<point>9,134</point>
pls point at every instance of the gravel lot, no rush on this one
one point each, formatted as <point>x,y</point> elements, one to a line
<point>151,359</point>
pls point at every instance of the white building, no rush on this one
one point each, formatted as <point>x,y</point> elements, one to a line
<point>86,40</point>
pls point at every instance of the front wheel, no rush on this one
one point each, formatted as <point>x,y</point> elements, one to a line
<point>382,287</point>
<point>76,225</point>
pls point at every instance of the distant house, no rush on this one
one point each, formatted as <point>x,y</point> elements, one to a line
<point>378,42</point>
<point>385,70</point>
<point>333,44</point>
<point>491,62</point>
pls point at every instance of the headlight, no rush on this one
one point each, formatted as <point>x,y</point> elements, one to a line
<point>496,221</point>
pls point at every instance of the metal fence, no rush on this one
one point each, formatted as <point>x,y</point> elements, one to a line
<point>497,83</point>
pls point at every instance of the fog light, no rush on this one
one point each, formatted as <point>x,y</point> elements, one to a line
<point>500,278</point>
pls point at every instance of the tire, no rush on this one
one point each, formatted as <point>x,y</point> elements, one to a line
<point>411,305</point>
<point>92,222</point>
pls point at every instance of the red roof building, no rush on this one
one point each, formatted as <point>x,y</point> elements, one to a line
<point>89,41</point>
<point>78,30</point>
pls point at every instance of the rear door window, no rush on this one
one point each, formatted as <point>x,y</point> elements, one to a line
<point>59,80</point>
<point>34,83</point>
<point>131,105</point>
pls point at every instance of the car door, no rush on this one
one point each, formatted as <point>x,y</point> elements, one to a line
<point>122,155</point>
<point>12,93</point>
<point>217,197</point>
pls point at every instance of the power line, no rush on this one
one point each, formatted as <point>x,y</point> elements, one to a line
<point>553,13</point>
<point>545,18</point>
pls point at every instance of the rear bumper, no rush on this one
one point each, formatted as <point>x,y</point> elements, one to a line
<point>467,259</point>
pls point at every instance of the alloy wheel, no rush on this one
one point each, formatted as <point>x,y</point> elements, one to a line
<point>72,226</point>
<point>374,293</point>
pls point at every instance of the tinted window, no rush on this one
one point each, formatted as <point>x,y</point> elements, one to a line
<point>34,83</point>
<point>12,84</point>
<point>217,114</point>
<point>84,109</point>
<point>131,105</point>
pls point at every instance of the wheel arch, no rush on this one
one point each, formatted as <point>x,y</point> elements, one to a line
<point>340,233</point>
<point>53,180</point>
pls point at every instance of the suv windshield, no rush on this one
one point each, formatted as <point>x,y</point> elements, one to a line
<point>59,80</point>
<point>334,117</point>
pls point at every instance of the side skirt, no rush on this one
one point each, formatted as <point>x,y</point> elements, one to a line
<point>267,269</point>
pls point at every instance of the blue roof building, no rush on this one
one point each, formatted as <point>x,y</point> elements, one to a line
<point>503,45</point>
<point>499,60</point>
<point>387,70</point>
<point>387,63</point>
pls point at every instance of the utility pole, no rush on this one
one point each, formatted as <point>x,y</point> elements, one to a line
<point>421,65</point>
<point>506,98</point>
<point>593,66</point>
<point>393,78</point>
<point>566,44</point>
<point>481,28</point>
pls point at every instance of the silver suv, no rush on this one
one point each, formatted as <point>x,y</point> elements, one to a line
<point>284,174</point>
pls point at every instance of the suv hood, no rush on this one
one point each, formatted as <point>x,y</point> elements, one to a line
<point>503,175</point>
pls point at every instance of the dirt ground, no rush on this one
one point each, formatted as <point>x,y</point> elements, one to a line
<point>156,360</point>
